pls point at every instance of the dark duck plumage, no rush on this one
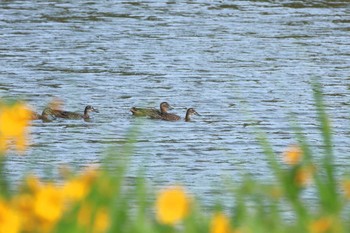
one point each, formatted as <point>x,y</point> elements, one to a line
<point>151,112</point>
<point>50,114</point>
<point>174,117</point>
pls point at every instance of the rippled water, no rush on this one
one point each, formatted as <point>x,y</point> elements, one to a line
<point>232,61</point>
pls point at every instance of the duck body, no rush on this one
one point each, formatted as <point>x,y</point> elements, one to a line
<point>144,112</point>
<point>168,117</point>
<point>174,117</point>
<point>70,115</point>
<point>50,114</point>
<point>151,112</point>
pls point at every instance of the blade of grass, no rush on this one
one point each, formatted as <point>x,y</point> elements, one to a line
<point>328,159</point>
<point>4,185</point>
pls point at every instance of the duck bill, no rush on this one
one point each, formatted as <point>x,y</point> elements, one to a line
<point>95,110</point>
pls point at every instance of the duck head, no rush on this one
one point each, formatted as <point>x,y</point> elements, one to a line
<point>190,112</point>
<point>165,106</point>
<point>89,108</point>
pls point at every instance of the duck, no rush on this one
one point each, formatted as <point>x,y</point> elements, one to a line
<point>151,112</point>
<point>50,114</point>
<point>174,117</point>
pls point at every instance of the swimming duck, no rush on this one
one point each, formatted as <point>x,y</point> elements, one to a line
<point>73,115</point>
<point>50,114</point>
<point>174,117</point>
<point>151,112</point>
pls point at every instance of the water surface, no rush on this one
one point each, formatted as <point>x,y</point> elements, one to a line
<point>235,62</point>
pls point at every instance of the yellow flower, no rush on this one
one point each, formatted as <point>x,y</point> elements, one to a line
<point>292,155</point>
<point>101,221</point>
<point>14,121</point>
<point>77,188</point>
<point>84,215</point>
<point>49,203</point>
<point>172,205</point>
<point>32,183</point>
<point>55,103</point>
<point>321,225</point>
<point>24,205</point>
<point>9,219</point>
<point>303,176</point>
<point>346,188</point>
<point>220,223</point>
<point>90,175</point>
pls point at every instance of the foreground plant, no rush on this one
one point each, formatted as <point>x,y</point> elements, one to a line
<point>14,121</point>
<point>173,205</point>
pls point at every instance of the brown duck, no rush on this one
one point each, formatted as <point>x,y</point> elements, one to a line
<point>174,117</point>
<point>50,114</point>
<point>151,112</point>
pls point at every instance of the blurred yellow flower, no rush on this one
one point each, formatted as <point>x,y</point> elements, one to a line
<point>14,120</point>
<point>84,215</point>
<point>220,223</point>
<point>172,205</point>
<point>89,175</point>
<point>49,203</point>
<point>56,103</point>
<point>75,189</point>
<point>303,176</point>
<point>32,183</point>
<point>321,225</point>
<point>101,221</point>
<point>9,219</point>
<point>292,155</point>
<point>24,205</point>
<point>346,188</point>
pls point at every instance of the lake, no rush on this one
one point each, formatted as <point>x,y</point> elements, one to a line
<point>238,63</point>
